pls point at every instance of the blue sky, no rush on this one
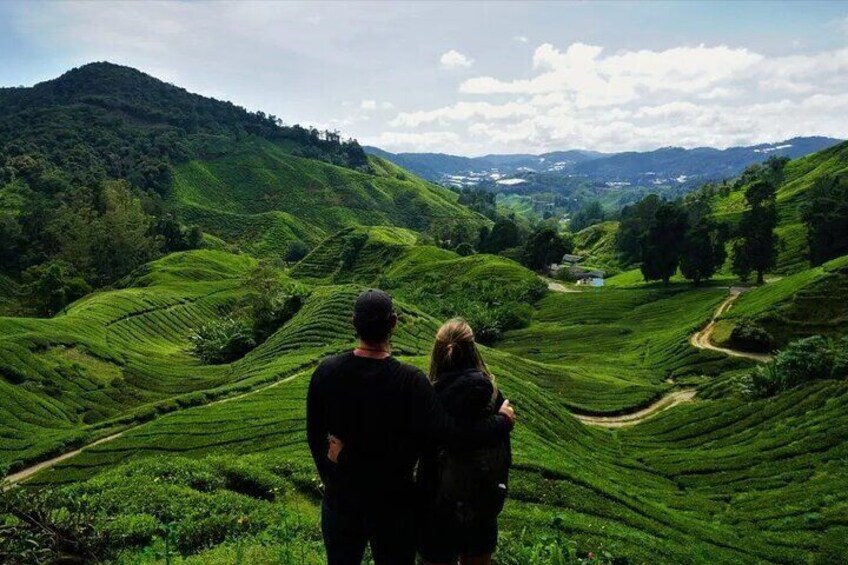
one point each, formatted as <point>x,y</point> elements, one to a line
<point>473,78</point>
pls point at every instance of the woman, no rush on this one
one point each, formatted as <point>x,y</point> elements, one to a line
<point>463,490</point>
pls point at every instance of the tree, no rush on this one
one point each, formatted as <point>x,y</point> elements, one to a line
<point>663,242</point>
<point>296,250</point>
<point>703,250</point>
<point>544,247</point>
<point>464,249</point>
<point>504,235</point>
<point>122,240</point>
<point>591,213</point>
<point>51,286</point>
<point>756,248</point>
<point>826,217</point>
<point>634,223</point>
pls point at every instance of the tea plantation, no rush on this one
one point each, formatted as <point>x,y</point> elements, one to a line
<point>213,465</point>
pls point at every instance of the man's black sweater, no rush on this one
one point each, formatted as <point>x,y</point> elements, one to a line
<point>385,412</point>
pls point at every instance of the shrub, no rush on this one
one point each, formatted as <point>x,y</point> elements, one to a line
<point>464,249</point>
<point>802,361</point>
<point>296,250</point>
<point>223,341</point>
<point>750,337</point>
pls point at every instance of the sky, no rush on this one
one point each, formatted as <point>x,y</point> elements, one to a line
<point>477,77</point>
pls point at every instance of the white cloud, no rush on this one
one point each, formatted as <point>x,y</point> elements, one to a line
<point>453,59</point>
<point>520,38</point>
<point>368,105</point>
<point>582,96</point>
<point>406,141</point>
<point>463,111</point>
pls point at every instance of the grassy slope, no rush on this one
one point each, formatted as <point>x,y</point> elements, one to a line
<point>800,174</point>
<point>260,197</point>
<point>689,486</point>
<point>597,244</point>
<point>813,301</point>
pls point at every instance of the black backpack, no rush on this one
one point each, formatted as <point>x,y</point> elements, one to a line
<point>472,485</point>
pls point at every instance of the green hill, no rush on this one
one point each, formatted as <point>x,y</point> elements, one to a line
<point>261,198</point>
<point>209,461</point>
<point>105,147</point>
<point>799,176</point>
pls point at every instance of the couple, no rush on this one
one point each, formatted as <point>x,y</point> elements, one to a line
<point>408,462</point>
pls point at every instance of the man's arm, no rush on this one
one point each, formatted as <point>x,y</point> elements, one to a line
<point>316,425</point>
<point>439,426</point>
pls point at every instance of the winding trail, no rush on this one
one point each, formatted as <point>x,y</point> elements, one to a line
<point>668,401</point>
<point>29,472</point>
<point>702,339</point>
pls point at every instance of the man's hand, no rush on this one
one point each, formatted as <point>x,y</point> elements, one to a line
<point>506,410</point>
<point>335,448</point>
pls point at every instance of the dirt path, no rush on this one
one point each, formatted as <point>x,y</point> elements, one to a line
<point>557,286</point>
<point>668,401</point>
<point>30,472</point>
<point>701,339</point>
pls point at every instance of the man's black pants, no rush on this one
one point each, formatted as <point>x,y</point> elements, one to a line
<point>390,530</point>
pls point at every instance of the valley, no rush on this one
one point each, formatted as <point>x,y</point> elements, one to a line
<point>153,411</point>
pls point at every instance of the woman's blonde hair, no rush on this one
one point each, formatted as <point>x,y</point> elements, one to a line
<point>455,350</point>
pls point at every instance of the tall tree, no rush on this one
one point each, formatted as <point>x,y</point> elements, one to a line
<point>635,220</point>
<point>663,242</point>
<point>756,248</point>
<point>504,235</point>
<point>703,250</point>
<point>591,213</point>
<point>544,247</point>
<point>826,217</point>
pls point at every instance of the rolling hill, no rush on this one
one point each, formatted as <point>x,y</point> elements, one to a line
<point>702,163</point>
<point>124,445</point>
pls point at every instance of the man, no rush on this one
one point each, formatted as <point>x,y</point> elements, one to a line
<point>384,412</point>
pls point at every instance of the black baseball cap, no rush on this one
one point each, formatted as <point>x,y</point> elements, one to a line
<point>373,305</point>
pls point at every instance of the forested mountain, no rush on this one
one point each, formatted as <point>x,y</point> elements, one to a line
<point>634,167</point>
<point>105,168</point>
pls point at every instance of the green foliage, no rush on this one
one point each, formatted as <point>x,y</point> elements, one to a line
<point>269,302</point>
<point>505,234</point>
<point>703,251</point>
<point>634,224</point>
<point>353,244</point>
<point>464,249</point>
<point>49,287</point>
<point>801,362</point>
<point>296,250</point>
<point>589,214</point>
<point>825,215</point>
<point>223,341</point>
<point>748,336</point>
<point>663,243</point>
<point>544,247</point>
<point>757,246</point>
<point>480,200</point>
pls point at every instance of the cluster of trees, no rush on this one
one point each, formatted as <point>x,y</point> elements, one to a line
<point>826,217</point>
<point>536,247</point>
<point>808,359</point>
<point>63,238</point>
<point>664,236</point>
<point>104,121</point>
<point>480,200</point>
<point>589,214</point>
<point>267,304</point>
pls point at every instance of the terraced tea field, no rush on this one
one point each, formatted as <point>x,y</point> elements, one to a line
<point>713,479</point>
